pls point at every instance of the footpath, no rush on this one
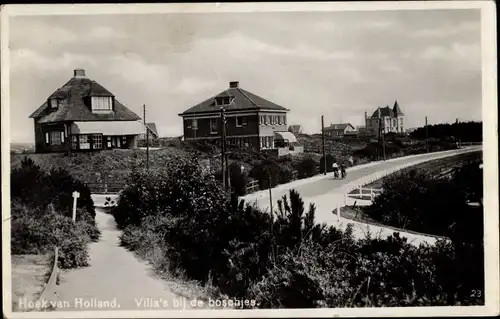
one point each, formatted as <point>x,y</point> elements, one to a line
<point>115,280</point>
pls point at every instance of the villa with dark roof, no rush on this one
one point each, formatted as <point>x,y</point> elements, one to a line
<point>251,121</point>
<point>339,130</point>
<point>83,116</point>
<point>386,120</point>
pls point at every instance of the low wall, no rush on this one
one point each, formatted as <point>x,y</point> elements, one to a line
<point>49,291</point>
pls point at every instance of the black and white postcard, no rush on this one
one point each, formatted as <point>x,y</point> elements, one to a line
<point>249,160</point>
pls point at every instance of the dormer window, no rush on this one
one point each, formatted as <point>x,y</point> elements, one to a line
<point>223,100</point>
<point>54,103</point>
<point>102,104</point>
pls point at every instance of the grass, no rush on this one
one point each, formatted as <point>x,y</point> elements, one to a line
<point>30,273</point>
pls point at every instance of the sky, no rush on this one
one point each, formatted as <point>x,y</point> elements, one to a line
<point>337,64</point>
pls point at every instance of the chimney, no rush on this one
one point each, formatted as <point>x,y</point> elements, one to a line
<point>79,73</point>
<point>234,84</point>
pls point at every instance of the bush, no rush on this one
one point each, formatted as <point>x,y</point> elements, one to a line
<point>36,188</point>
<point>307,168</point>
<point>289,260</point>
<point>39,234</point>
<point>41,214</point>
<point>330,159</point>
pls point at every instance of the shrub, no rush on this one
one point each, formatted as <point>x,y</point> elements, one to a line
<point>36,188</point>
<point>266,172</point>
<point>307,168</point>
<point>289,260</point>
<point>41,214</point>
<point>330,159</point>
<point>38,234</point>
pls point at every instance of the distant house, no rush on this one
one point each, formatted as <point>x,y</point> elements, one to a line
<point>295,129</point>
<point>153,132</point>
<point>251,121</point>
<point>340,130</point>
<point>386,120</point>
<point>84,116</point>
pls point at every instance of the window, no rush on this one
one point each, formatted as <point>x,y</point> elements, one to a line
<point>124,140</point>
<point>84,142</point>
<point>241,121</point>
<point>74,142</point>
<point>213,126</point>
<point>47,138</point>
<point>108,141</point>
<point>102,103</point>
<point>54,103</point>
<point>97,139</point>
<point>194,124</point>
<point>56,138</point>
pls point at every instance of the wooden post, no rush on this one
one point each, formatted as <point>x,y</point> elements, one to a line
<point>371,194</point>
<point>426,136</point>
<point>76,195</point>
<point>223,146</point>
<point>147,137</point>
<point>270,194</point>
<point>360,190</point>
<point>323,140</point>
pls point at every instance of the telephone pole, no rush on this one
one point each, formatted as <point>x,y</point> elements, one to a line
<point>323,140</point>
<point>381,136</point>
<point>458,132</point>
<point>426,136</point>
<point>223,145</point>
<point>147,137</point>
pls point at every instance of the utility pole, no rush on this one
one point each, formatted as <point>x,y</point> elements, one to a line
<point>147,137</point>
<point>458,132</point>
<point>223,145</point>
<point>323,139</point>
<point>381,136</point>
<point>270,194</point>
<point>426,136</point>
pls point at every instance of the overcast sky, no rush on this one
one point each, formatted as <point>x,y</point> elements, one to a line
<point>339,64</point>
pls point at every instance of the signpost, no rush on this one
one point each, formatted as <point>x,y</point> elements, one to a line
<point>76,195</point>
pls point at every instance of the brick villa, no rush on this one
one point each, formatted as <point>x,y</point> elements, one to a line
<point>83,116</point>
<point>252,121</point>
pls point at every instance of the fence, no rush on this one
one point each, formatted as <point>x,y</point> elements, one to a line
<point>106,187</point>
<point>252,186</point>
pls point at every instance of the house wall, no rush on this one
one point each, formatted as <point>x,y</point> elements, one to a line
<point>254,129</point>
<point>41,145</point>
<point>204,131</point>
<point>389,124</point>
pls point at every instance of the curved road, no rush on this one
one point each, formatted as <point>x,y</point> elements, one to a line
<point>326,192</point>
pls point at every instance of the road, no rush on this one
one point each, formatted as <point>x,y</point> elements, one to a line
<point>115,279</point>
<point>326,192</point>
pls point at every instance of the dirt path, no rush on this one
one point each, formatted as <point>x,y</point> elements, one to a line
<point>115,280</point>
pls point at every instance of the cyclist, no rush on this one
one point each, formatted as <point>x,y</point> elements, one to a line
<point>342,171</point>
<point>335,168</point>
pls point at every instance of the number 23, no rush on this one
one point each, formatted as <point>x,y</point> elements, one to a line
<point>475,293</point>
